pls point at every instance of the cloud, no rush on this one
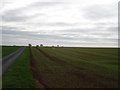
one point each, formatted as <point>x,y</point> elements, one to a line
<point>43,4</point>
<point>33,35</point>
<point>62,35</point>
<point>71,23</point>
<point>9,28</point>
<point>100,12</point>
<point>20,14</point>
<point>14,16</point>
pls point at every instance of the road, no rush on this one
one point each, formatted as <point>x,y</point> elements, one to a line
<point>8,60</point>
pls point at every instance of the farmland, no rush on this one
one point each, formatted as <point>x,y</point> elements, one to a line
<point>64,67</point>
<point>77,67</point>
<point>6,50</point>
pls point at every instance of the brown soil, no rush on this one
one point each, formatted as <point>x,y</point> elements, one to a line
<point>41,82</point>
<point>97,81</point>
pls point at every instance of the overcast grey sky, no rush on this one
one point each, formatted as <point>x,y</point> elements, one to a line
<point>60,22</point>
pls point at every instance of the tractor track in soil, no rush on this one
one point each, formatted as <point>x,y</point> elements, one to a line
<point>39,78</point>
<point>90,78</point>
<point>52,58</point>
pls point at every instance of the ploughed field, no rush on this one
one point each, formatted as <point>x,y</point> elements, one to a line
<point>64,67</point>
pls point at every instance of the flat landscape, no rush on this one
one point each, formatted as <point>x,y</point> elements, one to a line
<point>63,67</point>
<point>59,44</point>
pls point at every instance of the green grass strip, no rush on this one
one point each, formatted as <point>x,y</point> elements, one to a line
<point>19,74</point>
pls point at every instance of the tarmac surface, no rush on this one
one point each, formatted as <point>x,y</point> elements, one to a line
<point>9,59</point>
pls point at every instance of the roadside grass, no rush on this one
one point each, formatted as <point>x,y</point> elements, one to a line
<point>6,50</point>
<point>77,72</point>
<point>19,74</point>
<point>89,61</point>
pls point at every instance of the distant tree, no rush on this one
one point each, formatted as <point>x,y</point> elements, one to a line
<point>57,45</point>
<point>29,45</point>
<point>41,45</point>
<point>37,45</point>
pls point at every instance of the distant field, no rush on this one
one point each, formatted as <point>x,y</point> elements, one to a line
<point>76,67</point>
<point>6,50</point>
<point>19,74</point>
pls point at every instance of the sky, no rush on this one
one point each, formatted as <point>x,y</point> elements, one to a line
<point>74,23</point>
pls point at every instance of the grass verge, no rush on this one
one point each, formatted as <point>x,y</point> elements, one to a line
<point>19,74</point>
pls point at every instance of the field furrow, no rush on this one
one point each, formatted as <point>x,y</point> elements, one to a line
<point>59,68</point>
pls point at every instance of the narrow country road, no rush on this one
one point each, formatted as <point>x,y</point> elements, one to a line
<point>8,60</point>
